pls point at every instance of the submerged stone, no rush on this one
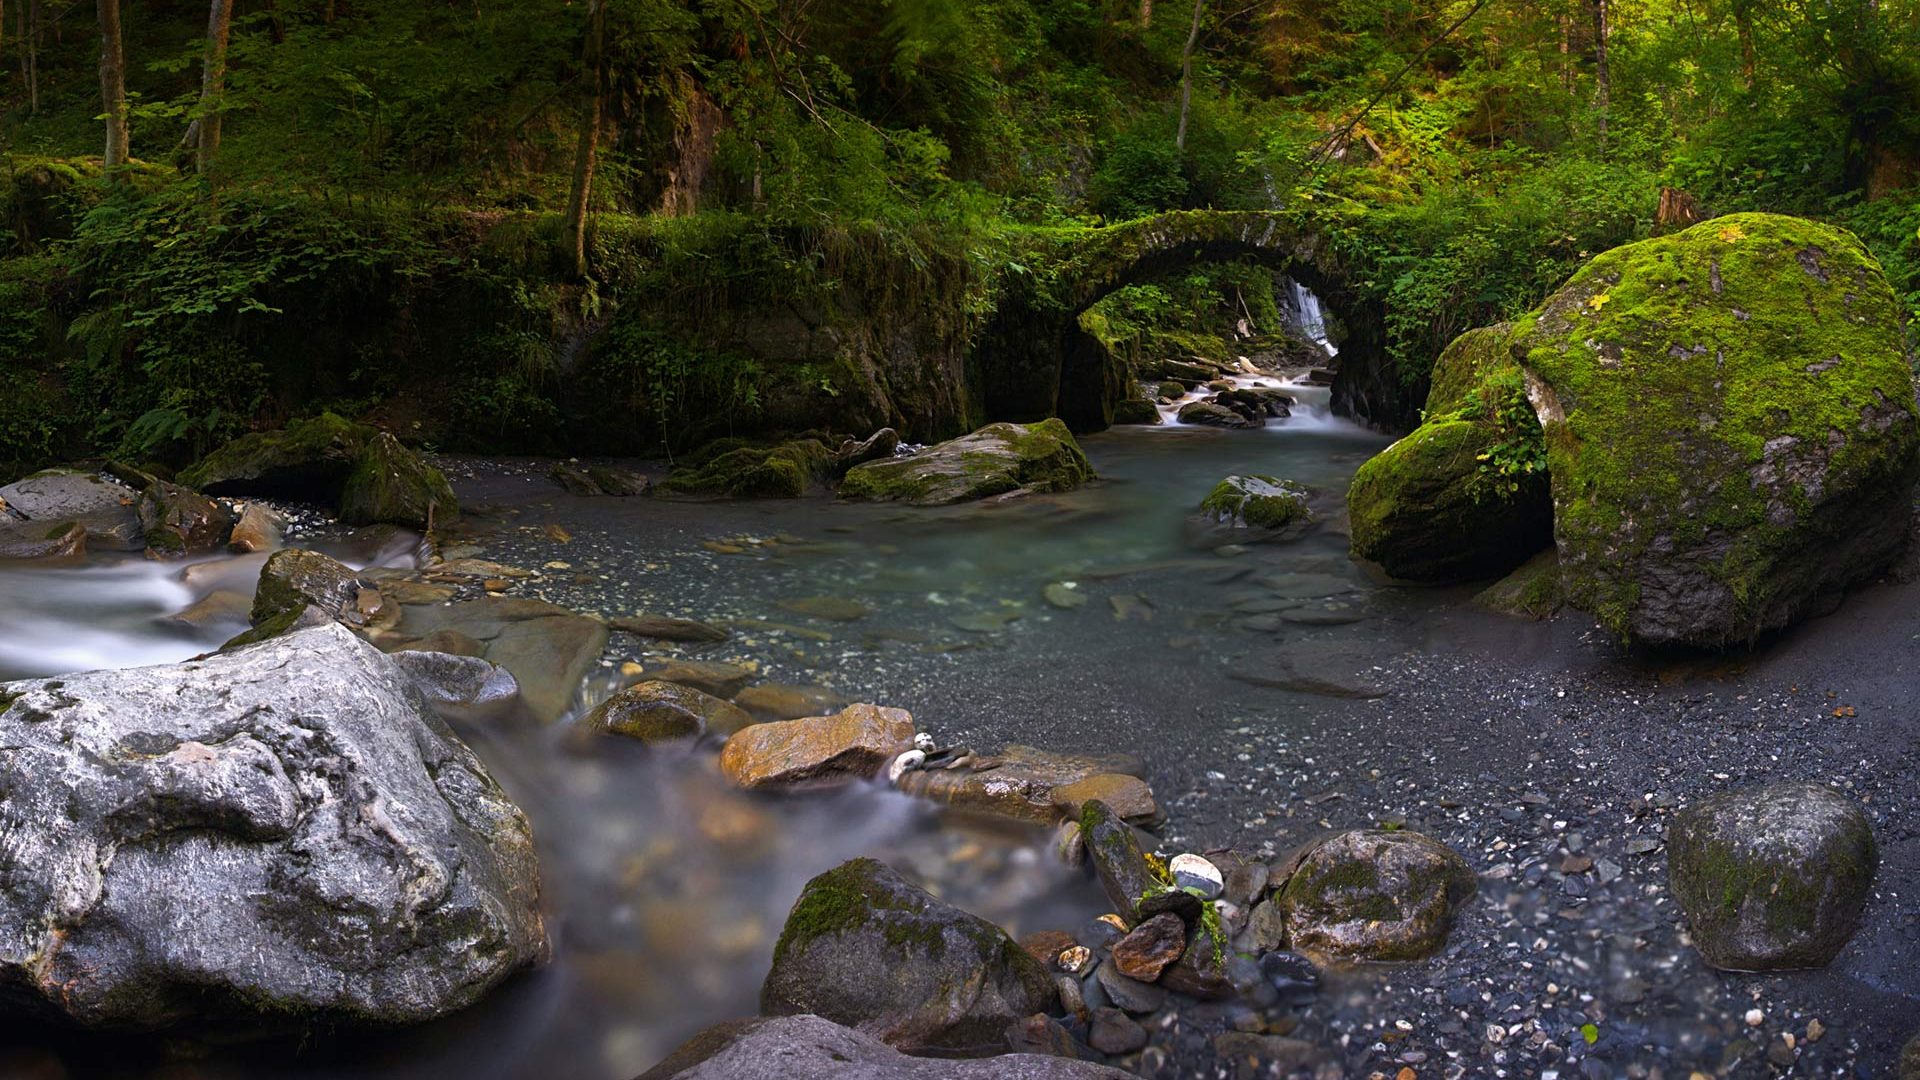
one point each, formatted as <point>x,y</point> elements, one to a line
<point>1257,502</point>
<point>655,711</point>
<point>1773,877</point>
<point>997,459</point>
<point>866,948</point>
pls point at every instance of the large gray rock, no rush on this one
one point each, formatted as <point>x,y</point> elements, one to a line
<point>280,833</point>
<point>810,1048</point>
<point>866,948</point>
<point>56,496</point>
<point>1773,877</point>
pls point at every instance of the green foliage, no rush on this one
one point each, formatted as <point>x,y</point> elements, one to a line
<point>1521,450</point>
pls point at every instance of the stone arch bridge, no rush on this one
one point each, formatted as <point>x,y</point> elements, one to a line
<point>1033,360</point>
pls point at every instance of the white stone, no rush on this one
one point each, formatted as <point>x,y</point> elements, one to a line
<point>905,763</point>
<point>1194,872</point>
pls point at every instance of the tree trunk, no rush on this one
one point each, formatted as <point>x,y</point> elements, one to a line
<point>113,82</point>
<point>583,159</point>
<point>1566,49</point>
<point>1602,78</point>
<point>212,83</point>
<point>1743,23</point>
<point>1146,13</point>
<point>1186,77</point>
<point>32,58</point>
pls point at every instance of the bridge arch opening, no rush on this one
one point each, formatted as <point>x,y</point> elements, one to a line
<point>1037,359</point>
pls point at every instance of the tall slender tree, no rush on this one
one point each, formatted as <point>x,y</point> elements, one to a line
<point>212,83</point>
<point>594,56</point>
<point>113,82</point>
<point>1602,76</point>
<point>1186,76</point>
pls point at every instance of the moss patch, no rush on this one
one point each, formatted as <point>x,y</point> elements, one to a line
<point>755,472</point>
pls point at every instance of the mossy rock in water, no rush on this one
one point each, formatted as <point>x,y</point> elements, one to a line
<point>755,472</point>
<point>866,948</point>
<point>362,472</point>
<point>1774,877</point>
<point>1136,411</point>
<point>1257,502</point>
<point>995,460</point>
<point>1375,895</point>
<point>390,483</point>
<point>1533,591</point>
<point>1435,506</point>
<point>1730,427</point>
<point>656,711</point>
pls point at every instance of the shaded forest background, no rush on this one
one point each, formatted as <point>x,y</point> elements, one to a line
<point>637,225</point>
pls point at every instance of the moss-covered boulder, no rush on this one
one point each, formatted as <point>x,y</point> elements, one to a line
<point>866,948</point>
<point>1773,877</point>
<point>1464,496</point>
<point>304,458</point>
<point>1730,426</point>
<point>362,472</point>
<point>785,471</point>
<point>1375,895</point>
<point>655,711</point>
<point>390,483</point>
<point>1257,502</point>
<point>995,460</point>
<point>34,540</point>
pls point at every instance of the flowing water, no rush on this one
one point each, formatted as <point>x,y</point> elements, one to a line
<point>666,888</point>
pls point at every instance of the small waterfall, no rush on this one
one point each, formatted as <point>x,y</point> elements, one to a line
<point>1308,316</point>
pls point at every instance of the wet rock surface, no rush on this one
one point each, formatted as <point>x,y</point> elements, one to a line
<point>1373,895</point>
<point>996,460</point>
<point>811,1048</point>
<point>59,496</point>
<point>664,712</point>
<point>276,834</point>
<point>854,743</point>
<point>865,947</point>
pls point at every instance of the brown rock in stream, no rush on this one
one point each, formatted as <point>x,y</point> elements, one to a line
<point>1151,947</point>
<point>854,743</point>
